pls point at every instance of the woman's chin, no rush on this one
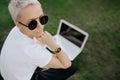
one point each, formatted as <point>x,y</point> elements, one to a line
<point>38,35</point>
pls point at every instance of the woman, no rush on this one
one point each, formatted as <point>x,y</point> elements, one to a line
<point>29,49</point>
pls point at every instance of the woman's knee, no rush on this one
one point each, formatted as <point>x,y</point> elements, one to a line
<point>73,68</point>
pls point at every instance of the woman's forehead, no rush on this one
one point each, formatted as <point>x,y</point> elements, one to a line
<point>31,12</point>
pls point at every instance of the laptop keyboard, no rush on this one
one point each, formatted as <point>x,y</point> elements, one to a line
<point>68,47</point>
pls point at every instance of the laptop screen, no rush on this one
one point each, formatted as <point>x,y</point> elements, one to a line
<point>72,35</point>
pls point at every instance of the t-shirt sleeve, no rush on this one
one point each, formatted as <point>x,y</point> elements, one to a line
<point>39,55</point>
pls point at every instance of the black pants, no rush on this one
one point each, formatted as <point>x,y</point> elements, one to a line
<point>54,74</point>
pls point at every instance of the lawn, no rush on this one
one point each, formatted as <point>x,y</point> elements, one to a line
<point>100,59</point>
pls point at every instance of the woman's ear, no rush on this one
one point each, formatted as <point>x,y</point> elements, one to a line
<point>16,23</point>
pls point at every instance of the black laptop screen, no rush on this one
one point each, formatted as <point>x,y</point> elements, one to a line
<point>72,35</point>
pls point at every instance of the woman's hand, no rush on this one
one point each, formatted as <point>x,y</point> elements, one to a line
<point>47,38</point>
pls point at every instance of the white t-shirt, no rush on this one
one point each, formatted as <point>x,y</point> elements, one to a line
<point>21,55</point>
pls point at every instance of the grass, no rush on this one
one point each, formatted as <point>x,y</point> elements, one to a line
<point>100,59</point>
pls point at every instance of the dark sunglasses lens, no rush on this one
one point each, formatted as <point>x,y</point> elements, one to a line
<point>44,20</point>
<point>32,25</point>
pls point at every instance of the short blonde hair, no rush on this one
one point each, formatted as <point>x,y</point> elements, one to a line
<point>15,6</point>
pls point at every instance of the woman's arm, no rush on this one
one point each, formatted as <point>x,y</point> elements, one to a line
<point>59,60</point>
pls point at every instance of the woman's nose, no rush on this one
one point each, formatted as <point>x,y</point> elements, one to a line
<point>39,25</point>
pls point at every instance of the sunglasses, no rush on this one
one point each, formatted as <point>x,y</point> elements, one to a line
<point>33,24</point>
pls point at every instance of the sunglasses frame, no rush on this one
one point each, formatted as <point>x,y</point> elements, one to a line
<point>42,19</point>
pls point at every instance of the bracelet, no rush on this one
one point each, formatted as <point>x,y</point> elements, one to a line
<point>49,50</point>
<point>56,51</point>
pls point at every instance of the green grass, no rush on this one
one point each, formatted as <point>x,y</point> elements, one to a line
<point>100,59</point>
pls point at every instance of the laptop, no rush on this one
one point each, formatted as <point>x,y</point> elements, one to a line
<point>71,38</point>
